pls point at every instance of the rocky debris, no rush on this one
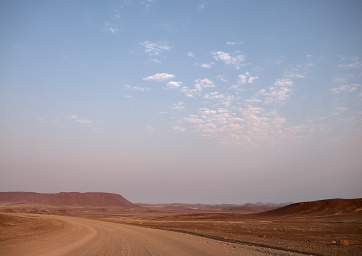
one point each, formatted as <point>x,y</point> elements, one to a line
<point>342,242</point>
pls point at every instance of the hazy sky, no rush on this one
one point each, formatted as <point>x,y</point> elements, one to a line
<point>182,101</point>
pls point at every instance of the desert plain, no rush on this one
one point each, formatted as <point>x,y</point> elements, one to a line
<point>108,224</point>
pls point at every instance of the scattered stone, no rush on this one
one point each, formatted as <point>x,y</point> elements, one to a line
<point>343,242</point>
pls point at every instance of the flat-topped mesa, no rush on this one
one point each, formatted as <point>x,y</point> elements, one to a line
<point>92,199</point>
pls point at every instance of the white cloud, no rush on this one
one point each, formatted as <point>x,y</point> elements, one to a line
<point>140,89</point>
<point>250,125</point>
<point>201,5</point>
<point>345,88</point>
<point>298,71</point>
<point>81,121</point>
<point>154,49</point>
<point>129,87</point>
<point>219,99</point>
<point>231,43</point>
<point>247,78</point>
<point>294,75</point>
<point>340,110</point>
<point>203,83</point>
<point>178,106</point>
<point>278,93</point>
<point>189,92</point>
<point>351,63</point>
<point>197,88</point>
<point>214,96</point>
<point>112,28</point>
<point>159,77</point>
<point>219,123</point>
<point>116,14</point>
<point>191,54</point>
<point>221,78</point>
<point>236,60</point>
<point>84,121</point>
<point>206,65</point>
<point>174,84</point>
<point>147,3</point>
<point>178,128</point>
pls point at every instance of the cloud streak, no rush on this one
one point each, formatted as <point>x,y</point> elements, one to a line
<point>80,121</point>
<point>345,88</point>
<point>159,77</point>
<point>154,49</point>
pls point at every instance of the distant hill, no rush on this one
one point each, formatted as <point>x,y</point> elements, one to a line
<point>92,199</point>
<point>217,208</point>
<point>320,207</point>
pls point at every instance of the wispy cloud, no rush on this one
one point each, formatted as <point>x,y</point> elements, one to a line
<point>154,49</point>
<point>178,128</point>
<point>147,3</point>
<point>246,126</point>
<point>159,77</point>
<point>279,92</point>
<point>349,88</point>
<point>351,63</point>
<point>206,65</point>
<point>134,88</point>
<point>237,60</point>
<point>127,96</point>
<point>197,88</point>
<point>219,99</point>
<point>232,43</point>
<point>201,5</point>
<point>174,84</point>
<point>247,78</point>
<point>178,106</point>
<point>203,83</point>
<point>80,121</point>
<point>112,28</point>
<point>221,78</point>
<point>191,54</point>
<point>215,95</point>
<point>189,92</point>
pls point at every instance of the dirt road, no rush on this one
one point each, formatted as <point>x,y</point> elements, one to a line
<point>87,237</point>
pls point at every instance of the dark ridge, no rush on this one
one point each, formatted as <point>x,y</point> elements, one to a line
<point>320,207</point>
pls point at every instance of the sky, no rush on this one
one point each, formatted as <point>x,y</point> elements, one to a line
<point>182,101</point>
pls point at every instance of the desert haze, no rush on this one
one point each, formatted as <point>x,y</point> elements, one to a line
<point>186,128</point>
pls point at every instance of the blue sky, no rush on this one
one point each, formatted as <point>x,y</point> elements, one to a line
<point>235,100</point>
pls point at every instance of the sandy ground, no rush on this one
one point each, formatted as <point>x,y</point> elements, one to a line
<point>318,235</point>
<point>80,236</point>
